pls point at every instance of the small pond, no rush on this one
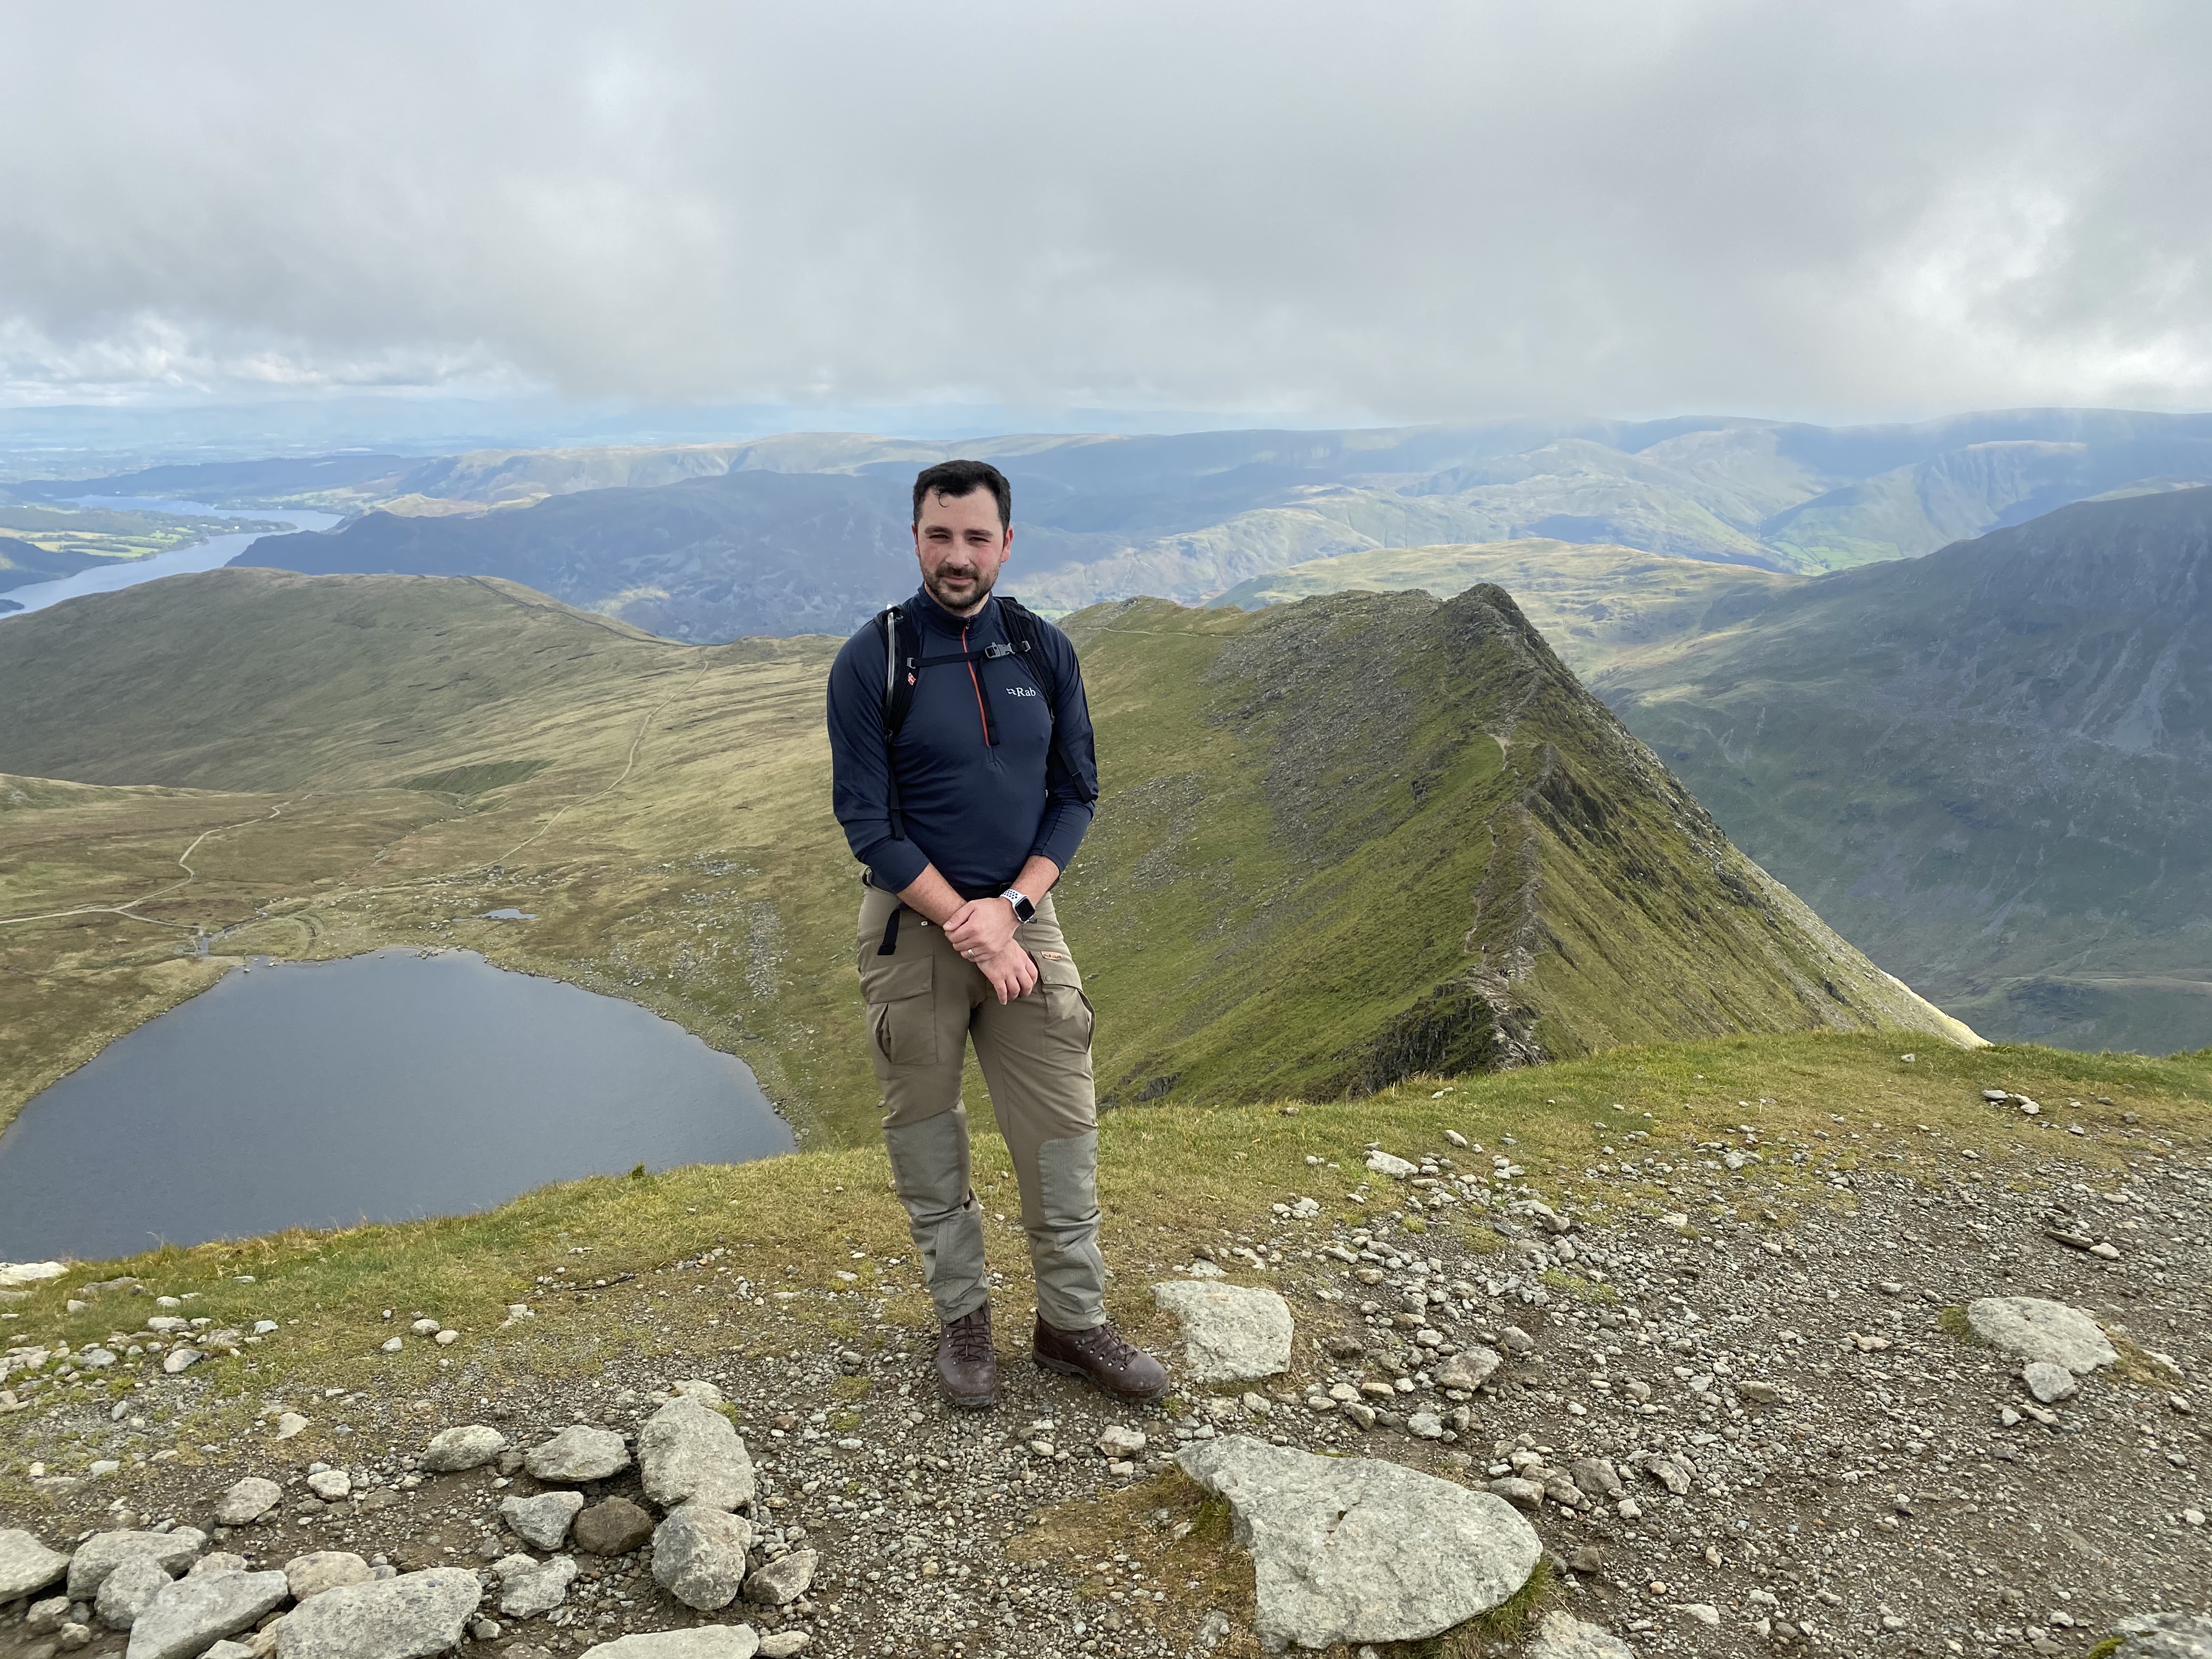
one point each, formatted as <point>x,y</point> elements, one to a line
<point>380,1088</point>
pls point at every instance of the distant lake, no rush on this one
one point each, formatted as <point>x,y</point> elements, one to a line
<point>209,555</point>
<point>382,1087</point>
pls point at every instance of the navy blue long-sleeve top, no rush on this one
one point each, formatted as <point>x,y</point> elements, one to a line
<point>974,809</point>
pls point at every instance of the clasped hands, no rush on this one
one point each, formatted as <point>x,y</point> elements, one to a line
<point>982,931</point>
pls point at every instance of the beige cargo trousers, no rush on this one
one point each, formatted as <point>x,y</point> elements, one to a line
<point>924,1003</point>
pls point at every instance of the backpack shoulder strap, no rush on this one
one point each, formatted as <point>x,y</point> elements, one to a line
<point>902,646</point>
<point>1022,632</point>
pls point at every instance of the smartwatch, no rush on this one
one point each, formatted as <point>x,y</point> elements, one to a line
<point>1023,910</point>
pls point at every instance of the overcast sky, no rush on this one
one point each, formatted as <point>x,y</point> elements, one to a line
<point>1405,209</point>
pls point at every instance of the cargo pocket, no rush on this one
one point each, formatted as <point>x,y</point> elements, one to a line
<point>902,1012</point>
<point>1068,1010</point>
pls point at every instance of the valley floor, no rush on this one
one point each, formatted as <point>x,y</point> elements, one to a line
<point>1740,1375</point>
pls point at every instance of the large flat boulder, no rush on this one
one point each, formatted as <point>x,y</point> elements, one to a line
<point>1231,1333</point>
<point>1354,1549</point>
<point>410,1617</point>
<point>2028,1327</point>
<point>707,1642</point>
<point>576,1454</point>
<point>27,1564</point>
<point>689,1453</point>
<point>102,1553</point>
<point>191,1615</point>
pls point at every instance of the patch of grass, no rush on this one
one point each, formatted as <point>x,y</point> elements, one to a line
<point>1499,1631</point>
<point>1575,1286</point>
<point>478,779</point>
<point>1952,1322</point>
<point>2137,1365</point>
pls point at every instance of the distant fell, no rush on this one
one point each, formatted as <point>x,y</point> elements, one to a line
<point>1990,767</point>
<point>1341,842</point>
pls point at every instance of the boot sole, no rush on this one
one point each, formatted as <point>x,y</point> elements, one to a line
<point>1133,1396</point>
<point>967,1402</point>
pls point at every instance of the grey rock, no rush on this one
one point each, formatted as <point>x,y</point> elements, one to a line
<point>1595,1477</point>
<point>324,1570</point>
<point>410,1617</point>
<point>1231,1333</point>
<point>2029,1328</point>
<point>543,1587</point>
<point>698,1556</point>
<point>1388,1164</point>
<point>1514,1340</point>
<point>543,1520</point>
<point>578,1453</point>
<point>1563,1636</point>
<point>100,1554</point>
<point>706,1642</point>
<point>248,1502</point>
<point>1468,1368</point>
<point>26,1564</point>
<point>330,1485</point>
<point>2048,1382</point>
<point>129,1589</point>
<point>469,1446</point>
<point>1425,1425</point>
<point>217,1561</point>
<point>190,1615</point>
<point>783,1580</point>
<point>227,1649</point>
<point>1522,1494</point>
<point>1357,1549</point>
<point>181,1359</point>
<point>615,1527</point>
<point>688,1453</point>
<point>47,1615</point>
<point>784,1643</point>
<point>2165,1636</point>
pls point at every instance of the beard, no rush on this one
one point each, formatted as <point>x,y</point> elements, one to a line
<point>966,597</point>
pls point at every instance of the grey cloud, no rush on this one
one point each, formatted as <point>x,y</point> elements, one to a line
<point>1422,209</point>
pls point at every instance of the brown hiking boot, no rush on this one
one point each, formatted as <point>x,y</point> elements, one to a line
<point>1100,1356</point>
<point>967,1368</point>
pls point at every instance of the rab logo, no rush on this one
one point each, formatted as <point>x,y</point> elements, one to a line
<point>1021,691</point>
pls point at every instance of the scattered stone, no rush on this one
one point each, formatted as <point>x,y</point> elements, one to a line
<point>698,1556</point>
<point>1358,1550</point>
<point>689,1452</point>
<point>324,1570</point>
<point>1231,1333</point>
<point>248,1502</point>
<point>26,1564</point>
<point>613,1528</point>
<point>784,1645</point>
<point>1425,1425</point>
<point>1563,1636</point>
<point>1704,1611</point>
<point>528,1588</point>
<point>1397,1169</point>
<point>47,1616</point>
<point>469,1446</point>
<point>128,1590</point>
<point>2029,1328</point>
<point>707,1642</point>
<point>290,1423</point>
<point>783,1580</point>
<point>216,1561</point>
<point>1468,1368</point>
<point>543,1520</point>
<point>103,1552</point>
<point>578,1453</point>
<point>1117,1442</point>
<point>2048,1382</point>
<point>408,1617</point>
<point>330,1485</point>
<point>188,1615</point>
<point>180,1360</point>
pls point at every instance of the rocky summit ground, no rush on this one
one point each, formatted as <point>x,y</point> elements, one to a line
<point>1757,1388</point>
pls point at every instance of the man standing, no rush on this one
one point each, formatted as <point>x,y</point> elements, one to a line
<point>965,781</point>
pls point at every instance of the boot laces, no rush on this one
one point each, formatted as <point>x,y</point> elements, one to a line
<point>970,1336</point>
<point>1108,1344</point>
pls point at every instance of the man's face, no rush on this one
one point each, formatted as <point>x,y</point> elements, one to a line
<point>962,546</point>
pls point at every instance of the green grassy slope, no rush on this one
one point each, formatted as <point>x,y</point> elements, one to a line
<point>1591,602</point>
<point>1991,768</point>
<point>1341,842</point>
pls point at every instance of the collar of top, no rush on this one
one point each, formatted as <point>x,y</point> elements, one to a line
<point>922,607</point>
